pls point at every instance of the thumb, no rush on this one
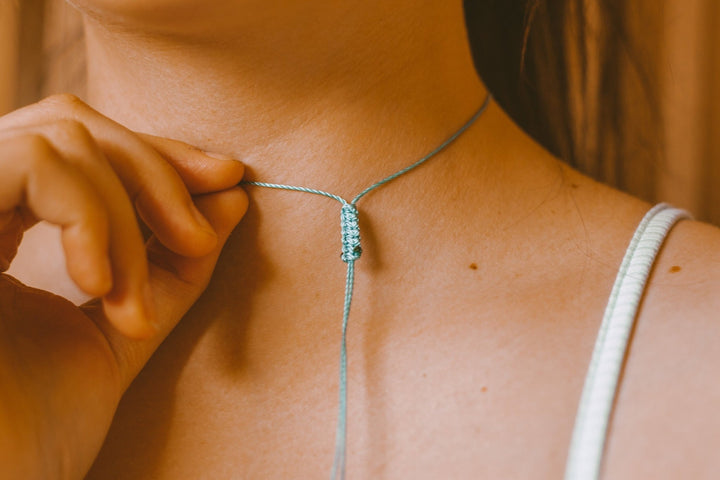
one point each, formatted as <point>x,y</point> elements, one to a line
<point>176,282</point>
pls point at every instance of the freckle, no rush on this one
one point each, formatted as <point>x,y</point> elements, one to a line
<point>575,185</point>
<point>473,266</point>
<point>675,269</point>
<point>483,389</point>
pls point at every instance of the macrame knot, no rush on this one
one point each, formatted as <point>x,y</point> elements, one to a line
<point>351,249</point>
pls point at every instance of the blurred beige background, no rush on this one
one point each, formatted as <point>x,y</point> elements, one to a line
<point>41,52</point>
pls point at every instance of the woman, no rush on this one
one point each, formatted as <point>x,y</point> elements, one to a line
<point>478,299</point>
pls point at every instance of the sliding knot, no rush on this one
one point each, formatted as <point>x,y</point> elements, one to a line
<point>351,249</point>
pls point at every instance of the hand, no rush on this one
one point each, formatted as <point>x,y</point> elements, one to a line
<point>64,368</point>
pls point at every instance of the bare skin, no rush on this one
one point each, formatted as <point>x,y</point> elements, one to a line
<point>479,293</point>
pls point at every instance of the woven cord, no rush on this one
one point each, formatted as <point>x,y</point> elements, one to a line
<point>351,251</point>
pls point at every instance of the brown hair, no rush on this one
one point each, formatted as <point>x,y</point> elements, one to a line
<point>571,77</point>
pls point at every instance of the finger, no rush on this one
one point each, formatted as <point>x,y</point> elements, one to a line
<point>202,172</point>
<point>170,271</point>
<point>176,281</point>
<point>35,177</point>
<point>153,185</point>
<point>128,296</point>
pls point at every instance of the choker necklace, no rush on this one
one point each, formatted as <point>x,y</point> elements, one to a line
<point>351,251</point>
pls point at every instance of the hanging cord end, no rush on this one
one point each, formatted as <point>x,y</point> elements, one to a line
<point>351,249</point>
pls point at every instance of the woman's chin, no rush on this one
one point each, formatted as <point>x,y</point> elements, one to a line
<point>170,16</point>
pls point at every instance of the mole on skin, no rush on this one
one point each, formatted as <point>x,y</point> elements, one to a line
<point>675,269</point>
<point>473,266</point>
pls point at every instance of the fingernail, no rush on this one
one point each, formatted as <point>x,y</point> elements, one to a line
<point>202,221</point>
<point>220,156</point>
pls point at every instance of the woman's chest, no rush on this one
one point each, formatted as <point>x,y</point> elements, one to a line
<point>457,368</point>
<point>458,384</point>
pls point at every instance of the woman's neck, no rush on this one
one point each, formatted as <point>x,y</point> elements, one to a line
<point>325,98</point>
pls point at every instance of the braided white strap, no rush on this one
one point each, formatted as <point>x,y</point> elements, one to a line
<point>588,439</point>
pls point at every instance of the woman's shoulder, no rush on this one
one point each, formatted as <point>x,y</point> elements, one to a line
<point>666,408</point>
<point>685,280</point>
<point>665,422</point>
<point>685,277</point>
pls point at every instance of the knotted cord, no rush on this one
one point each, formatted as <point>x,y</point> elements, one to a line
<point>351,251</point>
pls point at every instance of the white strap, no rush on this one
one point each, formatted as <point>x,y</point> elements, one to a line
<point>588,439</point>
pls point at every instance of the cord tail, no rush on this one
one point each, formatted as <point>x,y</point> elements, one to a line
<point>338,470</point>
